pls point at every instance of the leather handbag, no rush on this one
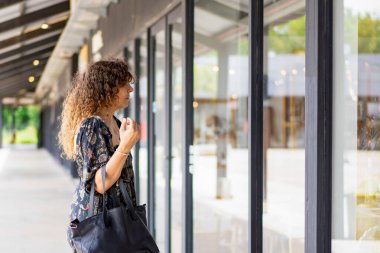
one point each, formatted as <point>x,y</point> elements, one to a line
<point>120,229</point>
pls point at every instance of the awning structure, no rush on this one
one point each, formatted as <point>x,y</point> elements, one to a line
<point>83,19</point>
<point>39,37</point>
<point>29,31</point>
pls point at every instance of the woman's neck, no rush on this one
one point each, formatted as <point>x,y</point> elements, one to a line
<point>106,115</point>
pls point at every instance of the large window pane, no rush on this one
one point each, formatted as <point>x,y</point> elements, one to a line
<point>284,127</point>
<point>143,151</point>
<point>177,144</point>
<point>160,127</point>
<point>356,122</point>
<point>220,172</point>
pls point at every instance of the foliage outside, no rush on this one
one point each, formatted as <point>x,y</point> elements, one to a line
<point>27,124</point>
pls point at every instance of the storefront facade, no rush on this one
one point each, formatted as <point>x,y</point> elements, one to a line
<point>259,119</point>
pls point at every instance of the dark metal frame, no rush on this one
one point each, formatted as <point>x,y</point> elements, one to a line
<point>150,144</point>
<point>255,119</point>
<point>168,138</point>
<point>319,88</point>
<point>136,49</point>
<point>188,123</point>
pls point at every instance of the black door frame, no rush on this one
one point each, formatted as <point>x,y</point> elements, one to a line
<point>318,122</point>
<point>187,10</point>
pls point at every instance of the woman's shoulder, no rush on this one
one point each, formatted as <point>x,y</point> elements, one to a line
<point>91,124</point>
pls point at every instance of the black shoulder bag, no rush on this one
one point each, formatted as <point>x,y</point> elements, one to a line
<point>120,229</point>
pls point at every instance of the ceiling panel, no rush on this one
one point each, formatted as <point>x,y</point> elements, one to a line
<point>22,40</point>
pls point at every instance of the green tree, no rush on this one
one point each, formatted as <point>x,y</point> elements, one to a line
<point>369,35</point>
<point>288,37</point>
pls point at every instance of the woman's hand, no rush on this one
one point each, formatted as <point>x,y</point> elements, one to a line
<point>129,134</point>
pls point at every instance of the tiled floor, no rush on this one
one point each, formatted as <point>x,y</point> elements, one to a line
<point>35,194</point>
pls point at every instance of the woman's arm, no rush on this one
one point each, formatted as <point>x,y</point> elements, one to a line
<point>128,138</point>
<point>113,171</point>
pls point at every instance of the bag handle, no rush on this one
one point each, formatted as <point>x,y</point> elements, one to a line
<point>127,199</point>
<point>92,193</point>
<point>124,194</point>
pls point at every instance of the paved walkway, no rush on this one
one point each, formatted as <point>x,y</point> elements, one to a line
<point>35,193</point>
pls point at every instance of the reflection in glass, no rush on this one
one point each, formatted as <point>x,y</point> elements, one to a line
<point>131,104</point>
<point>220,174</point>
<point>159,137</point>
<point>176,126</point>
<point>356,121</point>
<point>284,127</point>
<point>143,151</point>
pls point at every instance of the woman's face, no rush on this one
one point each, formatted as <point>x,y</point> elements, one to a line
<point>124,95</point>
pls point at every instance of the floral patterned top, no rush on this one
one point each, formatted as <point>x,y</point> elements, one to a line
<point>93,150</point>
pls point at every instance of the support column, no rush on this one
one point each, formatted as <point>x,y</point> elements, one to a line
<point>1,124</point>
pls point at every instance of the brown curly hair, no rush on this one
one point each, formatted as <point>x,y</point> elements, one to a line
<point>89,92</point>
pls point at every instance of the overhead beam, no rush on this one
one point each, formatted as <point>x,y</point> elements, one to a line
<point>222,11</point>
<point>281,11</point>
<point>30,56</point>
<point>15,90</point>
<point>200,38</point>
<point>27,68</point>
<point>7,83</point>
<point>30,46</point>
<point>22,54</point>
<point>6,3</point>
<point>33,34</point>
<point>35,16</point>
<point>13,84</point>
<point>26,61</point>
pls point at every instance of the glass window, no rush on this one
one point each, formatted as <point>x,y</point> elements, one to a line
<point>143,151</point>
<point>284,127</point>
<point>177,144</point>
<point>132,102</point>
<point>356,127</point>
<point>220,172</point>
<point>160,127</point>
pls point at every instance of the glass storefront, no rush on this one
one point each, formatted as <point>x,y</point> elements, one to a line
<point>356,125</point>
<point>177,130</point>
<point>220,155</point>
<point>220,151</point>
<point>131,105</point>
<point>160,127</point>
<point>284,127</point>
<point>143,98</point>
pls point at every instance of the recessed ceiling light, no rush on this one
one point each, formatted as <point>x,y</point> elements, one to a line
<point>36,62</point>
<point>44,26</point>
<point>31,79</point>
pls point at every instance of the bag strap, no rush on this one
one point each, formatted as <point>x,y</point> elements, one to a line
<point>92,193</point>
<point>127,199</point>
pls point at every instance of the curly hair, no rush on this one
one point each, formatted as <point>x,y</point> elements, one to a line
<point>89,92</point>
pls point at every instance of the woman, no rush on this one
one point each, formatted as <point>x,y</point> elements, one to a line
<point>93,137</point>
